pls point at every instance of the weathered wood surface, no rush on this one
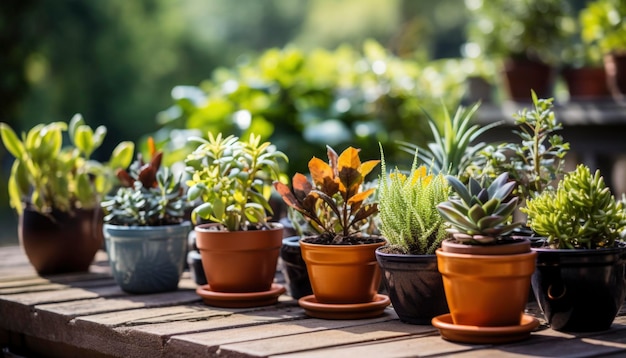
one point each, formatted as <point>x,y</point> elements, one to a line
<point>87,314</point>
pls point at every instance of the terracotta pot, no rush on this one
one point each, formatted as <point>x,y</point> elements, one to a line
<point>147,259</point>
<point>488,289</point>
<point>239,261</point>
<point>615,67</point>
<point>415,286</point>
<point>68,243</point>
<point>580,290</point>
<point>342,274</point>
<point>522,75</point>
<point>586,83</point>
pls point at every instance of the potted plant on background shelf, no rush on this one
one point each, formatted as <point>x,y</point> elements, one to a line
<point>239,247</point>
<point>486,275</point>
<point>603,25</point>
<point>414,229</point>
<point>144,230</point>
<point>56,191</point>
<point>293,265</point>
<point>579,283</point>
<point>526,35</point>
<point>340,259</point>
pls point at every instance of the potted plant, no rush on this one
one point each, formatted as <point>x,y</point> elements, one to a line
<point>486,275</point>
<point>579,283</point>
<point>603,25</point>
<point>293,265</point>
<point>526,35</point>
<point>56,191</point>
<point>144,227</point>
<point>414,229</point>
<point>239,246</point>
<point>340,259</point>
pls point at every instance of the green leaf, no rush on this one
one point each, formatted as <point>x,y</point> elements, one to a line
<point>83,139</point>
<point>122,155</point>
<point>76,121</point>
<point>13,144</point>
<point>84,190</point>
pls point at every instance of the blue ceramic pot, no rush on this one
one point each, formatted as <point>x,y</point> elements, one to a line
<point>147,259</point>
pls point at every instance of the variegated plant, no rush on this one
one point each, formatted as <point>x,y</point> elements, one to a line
<point>233,179</point>
<point>480,215</point>
<point>408,215</point>
<point>334,203</point>
<point>47,176</point>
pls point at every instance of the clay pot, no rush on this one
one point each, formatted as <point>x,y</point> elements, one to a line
<point>62,242</point>
<point>415,286</point>
<point>239,261</point>
<point>342,274</point>
<point>580,290</point>
<point>487,289</point>
<point>615,67</point>
<point>586,83</point>
<point>147,259</point>
<point>522,75</point>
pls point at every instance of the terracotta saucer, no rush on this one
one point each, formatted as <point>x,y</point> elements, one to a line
<point>344,311</point>
<point>484,335</point>
<point>240,300</point>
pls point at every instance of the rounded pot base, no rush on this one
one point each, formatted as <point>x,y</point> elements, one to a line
<point>371,309</point>
<point>240,300</point>
<point>484,335</point>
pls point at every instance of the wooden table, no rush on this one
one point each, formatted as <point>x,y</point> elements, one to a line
<point>87,315</point>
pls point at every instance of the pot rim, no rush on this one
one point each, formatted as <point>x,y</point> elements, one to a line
<point>205,228</point>
<point>342,247</point>
<point>407,256</point>
<point>145,227</point>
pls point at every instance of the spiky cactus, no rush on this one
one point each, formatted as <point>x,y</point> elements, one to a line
<point>581,213</point>
<point>480,215</point>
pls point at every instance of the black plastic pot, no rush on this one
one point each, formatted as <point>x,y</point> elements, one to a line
<point>580,290</point>
<point>415,286</point>
<point>294,268</point>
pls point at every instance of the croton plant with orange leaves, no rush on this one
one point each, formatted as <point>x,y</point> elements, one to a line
<point>334,202</point>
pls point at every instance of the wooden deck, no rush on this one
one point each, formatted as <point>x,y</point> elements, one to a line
<point>87,315</point>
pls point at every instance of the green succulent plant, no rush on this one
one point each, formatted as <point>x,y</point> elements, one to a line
<point>407,203</point>
<point>453,150</point>
<point>233,179</point>
<point>150,195</point>
<point>604,24</point>
<point>47,176</point>
<point>480,215</point>
<point>538,158</point>
<point>580,213</point>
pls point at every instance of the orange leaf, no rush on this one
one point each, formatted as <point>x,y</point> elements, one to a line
<point>286,194</point>
<point>367,167</point>
<point>361,196</point>
<point>320,171</point>
<point>301,186</point>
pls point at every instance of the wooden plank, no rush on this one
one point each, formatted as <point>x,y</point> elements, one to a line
<point>323,339</point>
<point>201,344</point>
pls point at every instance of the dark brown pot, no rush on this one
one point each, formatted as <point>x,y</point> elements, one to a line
<point>68,243</point>
<point>523,75</point>
<point>615,67</point>
<point>586,83</point>
<point>342,274</point>
<point>239,261</point>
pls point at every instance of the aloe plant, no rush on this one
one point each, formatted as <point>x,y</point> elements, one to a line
<point>480,215</point>
<point>150,195</point>
<point>581,213</point>
<point>407,208</point>
<point>46,175</point>
<point>454,149</point>
<point>232,178</point>
<point>334,203</point>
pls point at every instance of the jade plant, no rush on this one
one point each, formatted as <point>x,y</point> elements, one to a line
<point>232,178</point>
<point>408,215</point>
<point>538,159</point>
<point>480,214</point>
<point>48,176</point>
<point>580,213</point>
<point>150,195</point>
<point>335,202</point>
